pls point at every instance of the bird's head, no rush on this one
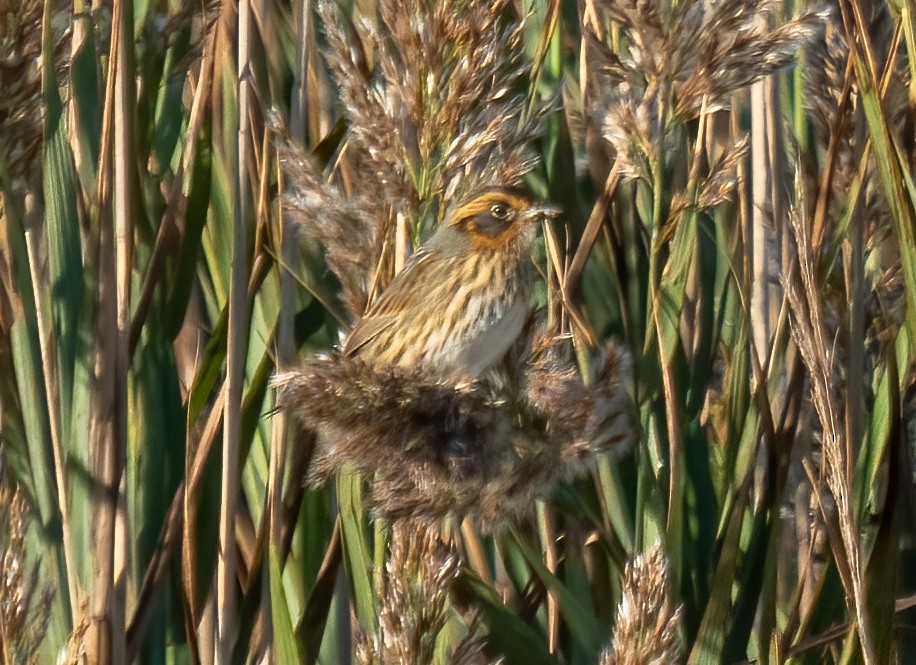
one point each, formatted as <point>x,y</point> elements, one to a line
<point>496,217</point>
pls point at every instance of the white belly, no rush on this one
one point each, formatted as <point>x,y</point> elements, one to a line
<point>493,339</point>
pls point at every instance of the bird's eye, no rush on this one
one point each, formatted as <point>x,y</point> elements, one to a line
<point>499,211</point>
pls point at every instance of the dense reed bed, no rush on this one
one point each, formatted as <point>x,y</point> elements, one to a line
<point>699,450</point>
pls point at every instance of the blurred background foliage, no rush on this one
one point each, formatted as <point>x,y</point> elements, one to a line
<point>740,213</point>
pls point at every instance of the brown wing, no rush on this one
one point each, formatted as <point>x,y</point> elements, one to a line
<point>401,295</point>
<point>367,330</point>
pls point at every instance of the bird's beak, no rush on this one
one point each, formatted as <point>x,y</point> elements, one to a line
<point>542,211</point>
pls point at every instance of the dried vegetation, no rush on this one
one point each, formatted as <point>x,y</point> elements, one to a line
<point>749,246</point>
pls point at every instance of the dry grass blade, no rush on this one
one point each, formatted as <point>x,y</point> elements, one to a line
<point>123,214</point>
<point>592,229</point>
<point>175,528</point>
<point>236,352</point>
<point>171,228</point>
<point>580,326</point>
<point>831,177</point>
<point>836,101</point>
<point>811,337</point>
<point>547,32</point>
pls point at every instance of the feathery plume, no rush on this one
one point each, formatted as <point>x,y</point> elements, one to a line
<point>444,110</point>
<point>591,418</point>
<point>717,187</point>
<point>432,449</point>
<point>645,632</point>
<point>20,79</point>
<point>342,226</point>
<point>679,60</point>
<point>414,603</point>
<point>25,604</point>
<point>413,598</point>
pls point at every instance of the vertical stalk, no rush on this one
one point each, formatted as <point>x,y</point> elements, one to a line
<point>235,361</point>
<point>758,236</point>
<point>666,350</point>
<point>402,244</point>
<point>108,422</point>
<point>124,102</point>
<point>548,533</point>
<point>286,348</point>
<point>299,111</point>
<point>909,34</point>
<point>286,356</point>
<point>81,45</point>
<point>775,159</point>
<point>854,254</point>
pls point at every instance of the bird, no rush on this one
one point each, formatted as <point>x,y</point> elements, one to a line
<point>462,299</point>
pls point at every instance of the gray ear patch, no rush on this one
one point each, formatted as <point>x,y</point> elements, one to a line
<point>495,220</point>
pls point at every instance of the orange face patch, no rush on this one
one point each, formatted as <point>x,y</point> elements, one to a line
<point>493,217</point>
